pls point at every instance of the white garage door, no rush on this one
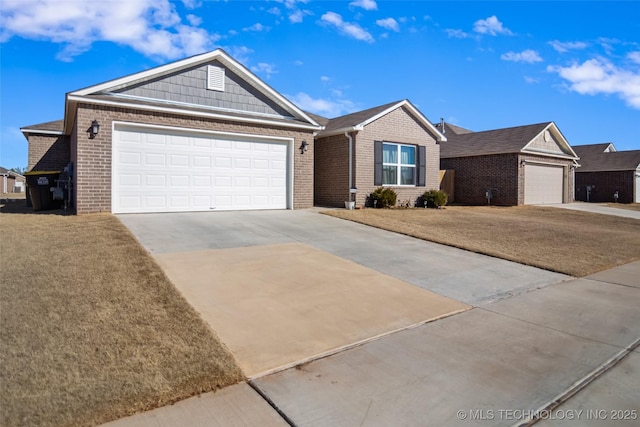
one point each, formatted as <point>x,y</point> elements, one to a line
<point>543,184</point>
<point>161,171</point>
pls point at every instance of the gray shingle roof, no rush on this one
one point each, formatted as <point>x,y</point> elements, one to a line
<point>614,161</point>
<point>591,149</point>
<point>322,121</point>
<point>353,119</point>
<point>55,126</point>
<point>498,141</point>
<point>452,129</point>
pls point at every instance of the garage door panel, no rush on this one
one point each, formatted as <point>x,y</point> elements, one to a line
<point>201,161</point>
<point>543,184</point>
<point>179,160</point>
<point>128,158</point>
<point>154,139</point>
<point>153,172</point>
<point>158,181</point>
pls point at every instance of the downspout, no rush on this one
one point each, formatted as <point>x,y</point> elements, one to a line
<point>348,135</point>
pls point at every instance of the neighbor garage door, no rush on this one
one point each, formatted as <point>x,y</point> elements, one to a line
<point>168,171</point>
<point>543,184</point>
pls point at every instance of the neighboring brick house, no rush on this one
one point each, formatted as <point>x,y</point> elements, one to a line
<point>11,182</point>
<point>607,175</point>
<point>198,134</point>
<point>392,145</point>
<point>531,164</point>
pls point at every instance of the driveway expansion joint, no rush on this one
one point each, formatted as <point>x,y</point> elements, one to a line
<point>579,385</point>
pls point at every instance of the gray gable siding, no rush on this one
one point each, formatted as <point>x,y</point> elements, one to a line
<point>550,146</point>
<point>190,86</point>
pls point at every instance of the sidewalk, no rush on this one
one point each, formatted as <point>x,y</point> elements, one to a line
<point>597,208</point>
<point>478,367</point>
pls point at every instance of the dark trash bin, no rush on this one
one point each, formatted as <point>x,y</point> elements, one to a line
<point>40,184</point>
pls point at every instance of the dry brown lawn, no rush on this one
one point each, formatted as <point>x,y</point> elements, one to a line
<point>91,329</point>
<point>571,242</point>
<point>628,206</point>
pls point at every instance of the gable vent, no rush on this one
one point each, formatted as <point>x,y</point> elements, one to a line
<point>215,78</point>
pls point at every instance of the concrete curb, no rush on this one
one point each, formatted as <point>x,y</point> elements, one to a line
<point>550,406</point>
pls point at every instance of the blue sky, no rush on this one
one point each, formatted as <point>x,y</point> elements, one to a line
<point>480,65</point>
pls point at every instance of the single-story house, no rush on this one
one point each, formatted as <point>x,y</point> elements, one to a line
<point>532,164</point>
<point>11,182</point>
<point>205,133</point>
<point>607,175</point>
<point>199,134</point>
<point>393,145</point>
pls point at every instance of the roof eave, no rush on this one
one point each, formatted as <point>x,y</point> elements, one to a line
<point>341,131</point>
<point>214,115</point>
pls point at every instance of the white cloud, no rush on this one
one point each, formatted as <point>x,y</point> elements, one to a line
<point>297,16</point>
<point>528,56</point>
<point>600,76</point>
<point>365,4</point>
<point>348,28</point>
<point>456,34</point>
<point>274,11</point>
<point>531,80</point>
<point>264,69</point>
<point>240,53</point>
<point>257,27</point>
<point>291,4</point>
<point>151,27</point>
<point>389,24</point>
<point>634,56</point>
<point>324,107</point>
<point>191,4</point>
<point>563,47</point>
<point>491,26</point>
<point>325,78</point>
<point>194,20</point>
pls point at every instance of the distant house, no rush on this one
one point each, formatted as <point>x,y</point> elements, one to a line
<point>532,164</point>
<point>11,182</point>
<point>607,175</point>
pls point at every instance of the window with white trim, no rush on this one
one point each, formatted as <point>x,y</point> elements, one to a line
<point>398,164</point>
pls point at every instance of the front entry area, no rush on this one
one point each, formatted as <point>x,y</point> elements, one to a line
<point>171,170</point>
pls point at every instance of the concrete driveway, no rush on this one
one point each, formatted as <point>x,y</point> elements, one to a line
<point>284,287</point>
<point>532,337</point>
<point>464,276</point>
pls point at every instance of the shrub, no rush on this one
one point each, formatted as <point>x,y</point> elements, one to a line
<point>384,196</point>
<point>435,198</point>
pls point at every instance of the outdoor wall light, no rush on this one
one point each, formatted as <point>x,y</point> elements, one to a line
<point>94,129</point>
<point>304,147</point>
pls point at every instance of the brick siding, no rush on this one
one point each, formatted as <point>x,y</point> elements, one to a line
<point>606,184</point>
<point>48,152</point>
<point>332,164</point>
<point>502,173</point>
<point>93,156</point>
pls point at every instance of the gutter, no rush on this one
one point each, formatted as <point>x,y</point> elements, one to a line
<point>352,189</point>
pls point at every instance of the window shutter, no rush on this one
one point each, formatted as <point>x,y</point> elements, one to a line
<point>377,161</point>
<point>215,78</point>
<point>421,166</point>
